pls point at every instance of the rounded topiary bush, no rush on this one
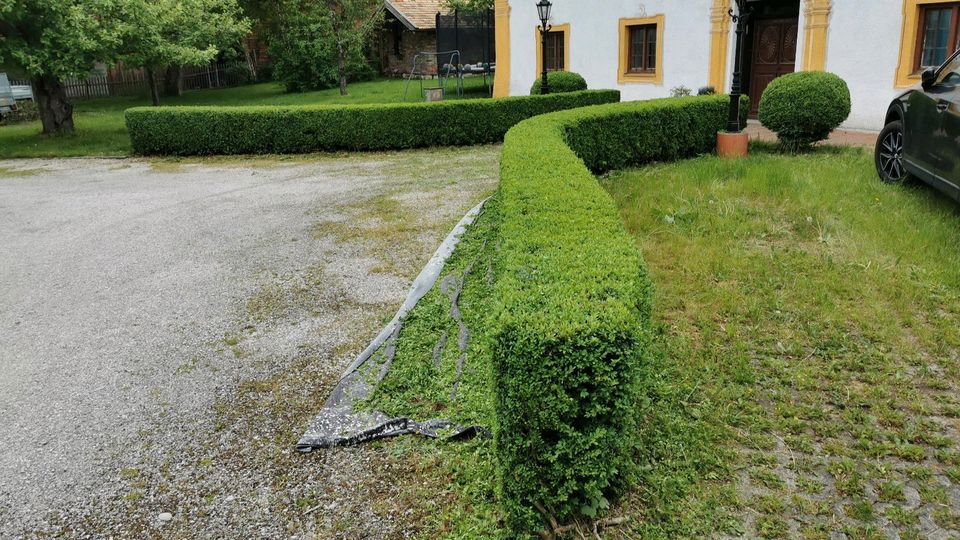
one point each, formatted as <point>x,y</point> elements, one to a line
<point>560,82</point>
<point>803,108</point>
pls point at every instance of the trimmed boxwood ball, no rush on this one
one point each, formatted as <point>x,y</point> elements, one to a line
<point>805,107</point>
<point>560,82</point>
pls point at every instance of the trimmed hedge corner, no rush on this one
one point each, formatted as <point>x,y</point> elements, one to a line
<point>805,107</point>
<point>302,129</point>
<point>560,82</point>
<point>572,301</point>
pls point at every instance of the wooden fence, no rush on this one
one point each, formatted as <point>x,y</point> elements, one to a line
<point>120,81</point>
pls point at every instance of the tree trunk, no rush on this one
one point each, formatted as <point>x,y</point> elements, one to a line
<point>173,82</point>
<point>342,68</point>
<point>56,113</point>
<point>154,87</point>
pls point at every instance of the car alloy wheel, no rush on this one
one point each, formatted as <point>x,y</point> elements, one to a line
<point>890,154</point>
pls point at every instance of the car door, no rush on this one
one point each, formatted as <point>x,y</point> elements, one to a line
<point>946,141</point>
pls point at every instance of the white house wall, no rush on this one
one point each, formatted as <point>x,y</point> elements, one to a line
<point>595,42</point>
<point>863,47</point>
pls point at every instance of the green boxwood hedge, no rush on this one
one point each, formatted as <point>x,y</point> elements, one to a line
<point>301,129</point>
<point>573,301</point>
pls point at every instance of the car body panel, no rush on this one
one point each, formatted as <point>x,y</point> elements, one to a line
<point>931,125</point>
<point>8,102</point>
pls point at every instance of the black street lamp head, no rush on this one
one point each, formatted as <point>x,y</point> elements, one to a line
<point>543,10</point>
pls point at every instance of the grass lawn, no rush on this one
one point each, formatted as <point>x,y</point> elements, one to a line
<point>803,377</point>
<point>805,374</point>
<point>100,129</point>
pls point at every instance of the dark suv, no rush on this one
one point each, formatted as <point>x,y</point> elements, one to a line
<point>922,134</point>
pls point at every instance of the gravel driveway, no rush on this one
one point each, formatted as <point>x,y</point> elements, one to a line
<point>168,329</point>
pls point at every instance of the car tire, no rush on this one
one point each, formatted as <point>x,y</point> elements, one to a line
<point>888,154</point>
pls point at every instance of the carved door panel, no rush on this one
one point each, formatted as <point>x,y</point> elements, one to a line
<point>774,54</point>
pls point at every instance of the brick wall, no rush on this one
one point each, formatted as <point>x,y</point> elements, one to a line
<point>410,43</point>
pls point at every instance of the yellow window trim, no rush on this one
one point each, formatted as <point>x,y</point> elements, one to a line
<point>501,81</point>
<point>719,40</point>
<point>909,35</point>
<point>623,71</point>
<point>565,30</point>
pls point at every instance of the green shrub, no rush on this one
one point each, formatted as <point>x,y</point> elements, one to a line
<point>572,302</point>
<point>803,108</point>
<point>26,112</point>
<point>304,54</point>
<point>301,129</point>
<point>560,82</point>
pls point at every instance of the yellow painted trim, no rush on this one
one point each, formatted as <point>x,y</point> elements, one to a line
<point>565,30</point>
<point>905,75</point>
<point>817,14</point>
<point>719,44</point>
<point>501,81</point>
<point>623,75</point>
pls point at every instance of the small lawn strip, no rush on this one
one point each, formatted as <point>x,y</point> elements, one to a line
<point>303,129</point>
<point>456,480</point>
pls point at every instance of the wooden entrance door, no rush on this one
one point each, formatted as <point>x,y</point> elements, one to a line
<point>774,54</point>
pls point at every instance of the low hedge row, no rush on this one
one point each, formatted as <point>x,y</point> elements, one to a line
<point>301,129</point>
<point>573,302</point>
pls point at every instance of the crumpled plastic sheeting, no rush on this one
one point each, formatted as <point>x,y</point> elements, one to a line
<point>338,424</point>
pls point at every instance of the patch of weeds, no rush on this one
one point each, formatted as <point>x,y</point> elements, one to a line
<point>901,517</point>
<point>772,527</point>
<point>17,172</point>
<point>947,518</point>
<point>768,504</point>
<point>890,492</point>
<point>767,478</point>
<point>860,509</point>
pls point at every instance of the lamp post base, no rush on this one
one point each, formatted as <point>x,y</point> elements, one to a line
<point>732,145</point>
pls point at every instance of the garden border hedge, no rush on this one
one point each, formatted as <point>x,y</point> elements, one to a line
<point>312,128</point>
<point>572,299</point>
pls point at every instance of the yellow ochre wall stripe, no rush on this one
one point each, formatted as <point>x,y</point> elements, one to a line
<point>501,81</point>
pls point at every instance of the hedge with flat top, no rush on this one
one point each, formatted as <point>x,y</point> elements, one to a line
<point>312,128</point>
<point>573,302</point>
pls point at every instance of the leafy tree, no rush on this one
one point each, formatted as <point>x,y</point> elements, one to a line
<point>316,40</point>
<point>166,34</point>
<point>50,40</point>
<point>469,5</point>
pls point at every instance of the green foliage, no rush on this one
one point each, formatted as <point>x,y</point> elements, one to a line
<point>572,315</point>
<point>305,59</point>
<point>160,33</point>
<point>319,44</point>
<point>59,38</point>
<point>287,130</point>
<point>805,107</point>
<point>468,5</point>
<point>560,82</point>
<point>26,112</point>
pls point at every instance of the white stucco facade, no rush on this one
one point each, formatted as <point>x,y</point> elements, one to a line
<point>860,40</point>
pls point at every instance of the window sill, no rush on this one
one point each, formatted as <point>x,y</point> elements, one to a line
<point>640,78</point>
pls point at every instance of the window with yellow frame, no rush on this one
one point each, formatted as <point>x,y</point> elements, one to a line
<point>929,35</point>
<point>558,49</point>
<point>641,50</point>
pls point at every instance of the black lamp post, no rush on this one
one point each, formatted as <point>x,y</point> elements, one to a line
<point>543,10</point>
<point>741,18</point>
